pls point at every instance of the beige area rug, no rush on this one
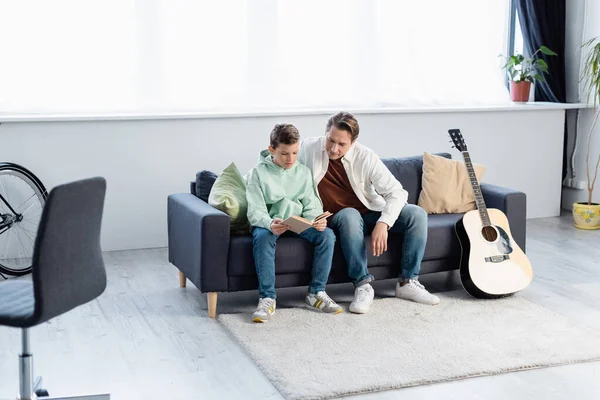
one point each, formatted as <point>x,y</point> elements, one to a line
<point>309,355</point>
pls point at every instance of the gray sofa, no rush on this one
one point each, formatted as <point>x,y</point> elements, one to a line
<point>204,251</point>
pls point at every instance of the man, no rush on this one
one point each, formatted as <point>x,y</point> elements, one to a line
<point>364,196</point>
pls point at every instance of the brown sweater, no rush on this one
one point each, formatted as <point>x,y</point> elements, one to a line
<point>335,190</point>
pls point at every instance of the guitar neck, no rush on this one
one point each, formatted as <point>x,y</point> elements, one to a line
<point>485,218</point>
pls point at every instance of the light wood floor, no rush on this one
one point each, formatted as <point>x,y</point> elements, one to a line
<point>147,338</point>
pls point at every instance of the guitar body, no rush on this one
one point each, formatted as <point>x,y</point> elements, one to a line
<point>492,264</point>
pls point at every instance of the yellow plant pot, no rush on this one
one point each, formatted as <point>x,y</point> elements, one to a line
<point>586,216</point>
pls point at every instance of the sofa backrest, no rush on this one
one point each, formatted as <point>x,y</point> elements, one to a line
<point>409,171</point>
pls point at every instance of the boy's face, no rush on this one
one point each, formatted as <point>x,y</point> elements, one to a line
<point>338,143</point>
<point>285,155</point>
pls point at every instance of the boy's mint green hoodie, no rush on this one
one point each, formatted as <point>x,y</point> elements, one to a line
<point>275,192</point>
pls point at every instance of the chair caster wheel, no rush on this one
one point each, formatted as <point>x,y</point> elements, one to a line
<point>41,393</point>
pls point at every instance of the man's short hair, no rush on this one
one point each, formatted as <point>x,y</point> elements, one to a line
<point>284,134</point>
<point>344,121</point>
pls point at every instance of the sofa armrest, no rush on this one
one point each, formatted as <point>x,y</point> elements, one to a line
<point>198,237</point>
<point>511,202</point>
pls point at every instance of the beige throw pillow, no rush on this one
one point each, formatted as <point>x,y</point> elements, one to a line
<point>446,186</point>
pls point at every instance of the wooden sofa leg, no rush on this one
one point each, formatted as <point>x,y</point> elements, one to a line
<point>212,304</point>
<point>182,279</point>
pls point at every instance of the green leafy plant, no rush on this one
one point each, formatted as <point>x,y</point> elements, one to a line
<point>520,68</point>
<point>591,78</point>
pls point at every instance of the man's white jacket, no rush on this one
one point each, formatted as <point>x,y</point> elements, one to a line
<point>373,183</point>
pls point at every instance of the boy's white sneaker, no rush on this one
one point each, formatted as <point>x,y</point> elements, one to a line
<point>323,302</point>
<point>264,310</point>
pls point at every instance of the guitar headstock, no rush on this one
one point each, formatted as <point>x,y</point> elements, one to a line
<point>457,139</point>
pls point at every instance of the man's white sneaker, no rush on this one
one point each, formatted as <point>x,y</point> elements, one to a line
<point>363,297</point>
<point>264,310</point>
<point>416,292</point>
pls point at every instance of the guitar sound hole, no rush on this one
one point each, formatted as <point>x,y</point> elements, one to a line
<point>489,233</point>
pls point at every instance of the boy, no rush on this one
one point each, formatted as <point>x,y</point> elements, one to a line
<point>277,188</point>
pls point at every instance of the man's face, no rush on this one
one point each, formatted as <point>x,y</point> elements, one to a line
<point>285,155</point>
<point>338,143</point>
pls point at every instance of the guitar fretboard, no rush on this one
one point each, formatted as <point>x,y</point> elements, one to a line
<point>485,219</point>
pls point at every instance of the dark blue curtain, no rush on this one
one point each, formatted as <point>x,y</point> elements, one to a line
<point>543,23</point>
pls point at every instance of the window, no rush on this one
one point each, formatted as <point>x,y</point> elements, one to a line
<point>515,35</point>
<point>518,39</point>
<point>69,56</point>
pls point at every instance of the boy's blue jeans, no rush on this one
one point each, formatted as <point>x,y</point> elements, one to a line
<point>351,227</point>
<point>264,257</point>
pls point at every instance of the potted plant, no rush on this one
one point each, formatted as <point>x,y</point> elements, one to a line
<point>586,215</point>
<point>523,71</point>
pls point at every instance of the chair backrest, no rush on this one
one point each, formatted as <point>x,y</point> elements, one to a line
<point>68,269</point>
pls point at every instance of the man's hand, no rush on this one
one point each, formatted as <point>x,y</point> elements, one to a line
<point>277,226</point>
<point>320,225</point>
<point>379,238</point>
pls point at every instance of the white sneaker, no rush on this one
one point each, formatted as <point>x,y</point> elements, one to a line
<point>321,301</point>
<point>416,292</point>
<point>264,310</point>
<point>363,297</point>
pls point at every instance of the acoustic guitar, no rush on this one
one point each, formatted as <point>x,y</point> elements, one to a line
<point>492,265</point>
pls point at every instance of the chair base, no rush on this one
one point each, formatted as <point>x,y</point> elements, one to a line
<point>32,390</point>
<point>86,397</point>
<point>37,389</point>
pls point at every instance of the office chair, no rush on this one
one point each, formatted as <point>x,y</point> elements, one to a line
<point>67,271</point>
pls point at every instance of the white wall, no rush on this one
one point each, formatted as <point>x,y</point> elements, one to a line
<point>582,24</point>
<point>145,161</point>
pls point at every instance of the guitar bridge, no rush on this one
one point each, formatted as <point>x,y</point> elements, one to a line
<point>496,259</point>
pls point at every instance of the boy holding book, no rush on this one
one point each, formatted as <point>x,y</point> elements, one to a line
<point>278,187</point>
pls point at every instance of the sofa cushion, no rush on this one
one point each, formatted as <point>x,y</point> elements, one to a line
<point>409,172</point>
<point>441,237</point>
<point>204,182</point>
<point>228,194</point>
<point>294,255</point>
<point>446,187</point>
<point>441,243</point>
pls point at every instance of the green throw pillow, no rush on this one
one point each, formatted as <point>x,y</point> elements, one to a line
<point>228,194</point>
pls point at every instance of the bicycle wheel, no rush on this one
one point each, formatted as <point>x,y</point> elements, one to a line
<point>22,199</point>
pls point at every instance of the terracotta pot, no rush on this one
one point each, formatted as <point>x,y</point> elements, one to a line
<point>519,91</point>
<point>586,216</point>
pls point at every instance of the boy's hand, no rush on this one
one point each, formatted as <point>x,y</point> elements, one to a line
<point>320,225</point>
<point>277,227</point>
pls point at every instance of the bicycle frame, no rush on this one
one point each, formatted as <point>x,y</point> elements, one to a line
<point>7,204</point>
<point>8,219</point>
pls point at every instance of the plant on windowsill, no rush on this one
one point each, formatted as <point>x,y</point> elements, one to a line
<point>586,215</point>
<point>523,71</point>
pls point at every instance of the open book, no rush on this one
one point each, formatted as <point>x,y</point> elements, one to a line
<point>299,224</point>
